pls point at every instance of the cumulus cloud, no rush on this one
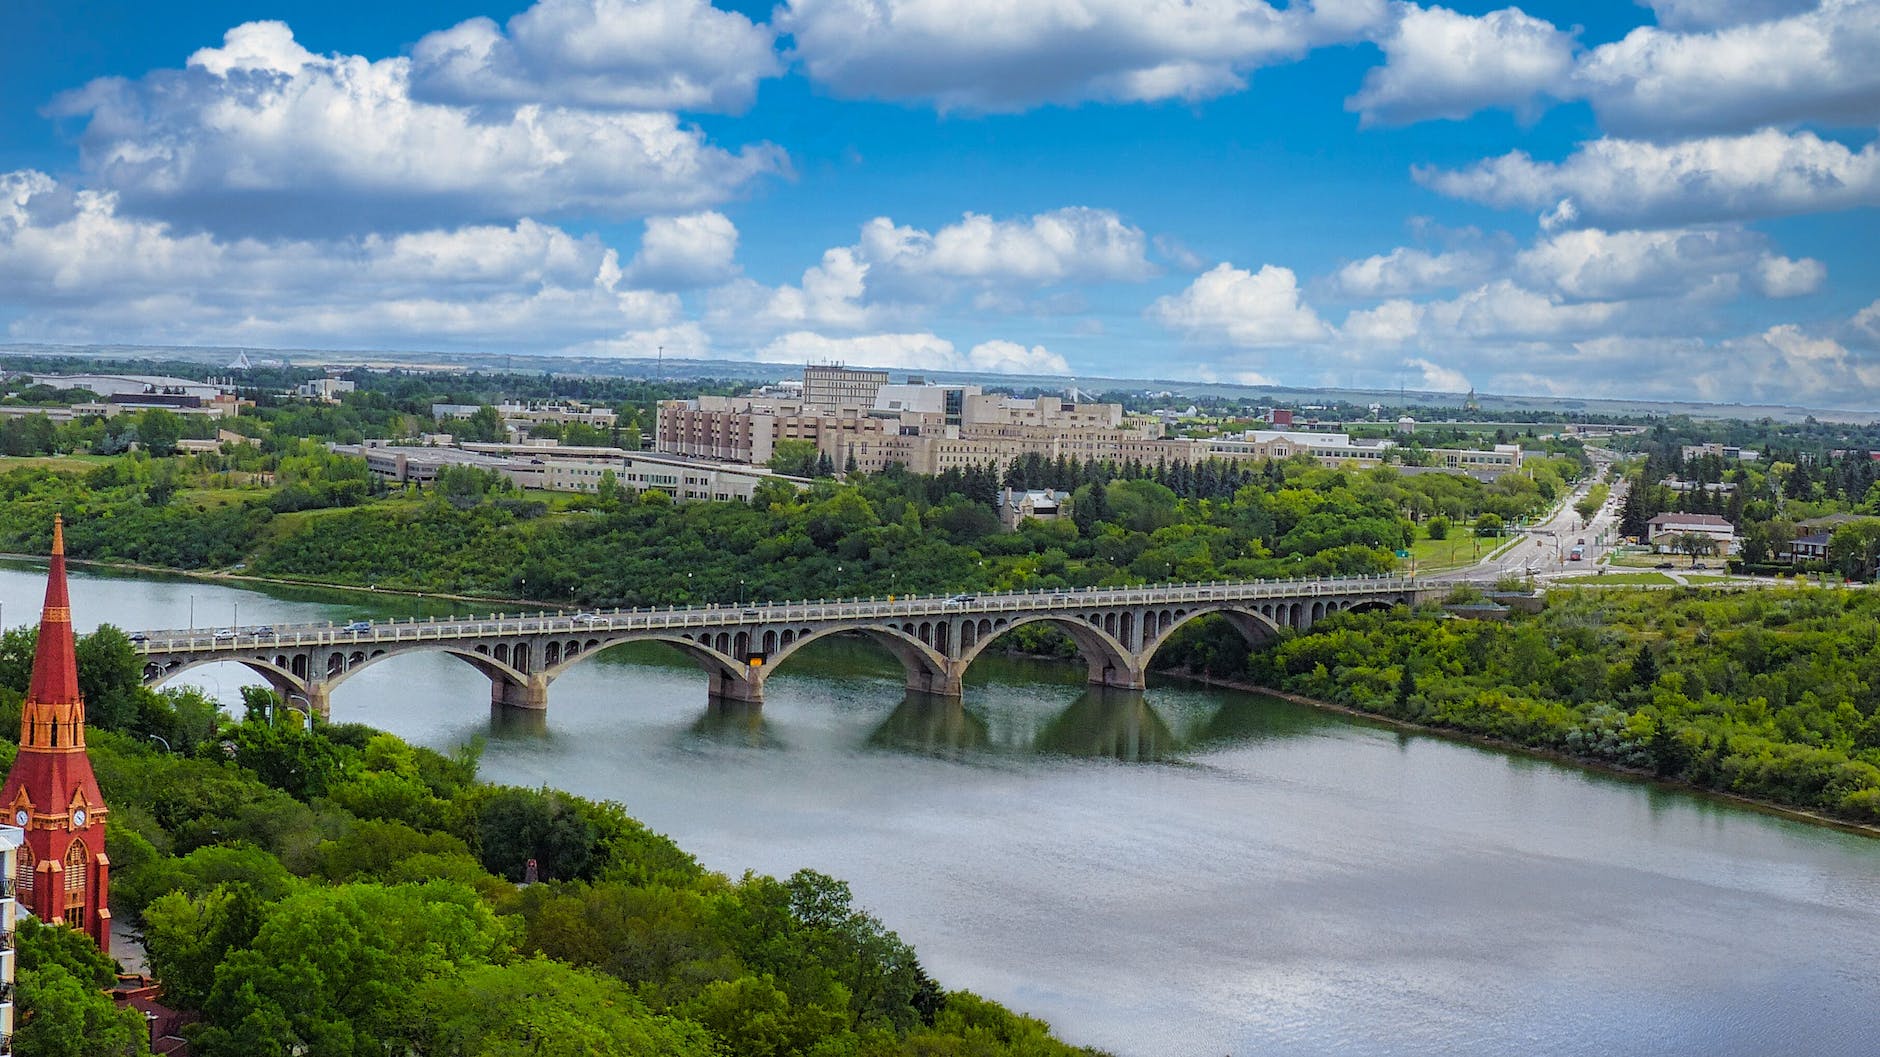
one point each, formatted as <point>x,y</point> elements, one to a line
<point>73,267</point>
<point>1820,65</point>
<point>895,273</point>
<point>1620,182</point>
<point>679,253</point>
<point>1233,306</point>
<point>1074,243</point>
<point>1407,270</point>
<point>1590,264</point>
<point>262,135</point>
<point>1710,14</point>
<point>921,351</point>
<point>1438,378</point>
<point>995,55</point>
<point>1442,64</point>
<point>606,54</point>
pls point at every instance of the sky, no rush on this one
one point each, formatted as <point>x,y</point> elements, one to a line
<point>1666,199</point>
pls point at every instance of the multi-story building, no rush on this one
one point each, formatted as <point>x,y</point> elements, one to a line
<point>1729,452</point>
<point>931,429</point>
<point>837,386</point>
<point>569,468</point>
<point>12,839</point>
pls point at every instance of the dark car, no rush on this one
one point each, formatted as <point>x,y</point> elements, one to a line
<point>1662,565</point>
<point>358,626</point>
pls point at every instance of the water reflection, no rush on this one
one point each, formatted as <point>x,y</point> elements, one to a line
<point>1107,722</point>
<point>738,723</point>
<point>932,725</point>
<point>518,723</point>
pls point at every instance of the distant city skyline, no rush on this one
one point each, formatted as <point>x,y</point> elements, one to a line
<point>1675,199</point>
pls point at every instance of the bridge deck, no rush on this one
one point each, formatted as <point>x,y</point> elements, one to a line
<point>179,640</point>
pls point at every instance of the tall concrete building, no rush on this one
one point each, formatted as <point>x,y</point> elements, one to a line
<point>837,386</point>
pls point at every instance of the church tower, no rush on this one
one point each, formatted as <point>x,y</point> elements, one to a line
<point>63,873</point>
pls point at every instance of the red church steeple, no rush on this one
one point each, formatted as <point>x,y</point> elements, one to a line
<point>50,793</point>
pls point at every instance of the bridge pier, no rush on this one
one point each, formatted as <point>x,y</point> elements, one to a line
<point>748,688</point>
<point>948,682</point>
<point>1106,673</point>
<point>532,694</point>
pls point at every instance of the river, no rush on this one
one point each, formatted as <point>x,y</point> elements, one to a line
<point>1190,871</point>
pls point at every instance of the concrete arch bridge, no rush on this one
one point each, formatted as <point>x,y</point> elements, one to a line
<point>936,638</point>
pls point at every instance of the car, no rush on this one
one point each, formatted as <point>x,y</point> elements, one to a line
<point>960,600</point>
<point>584,618</point>
<point>222,634</point>
<point>749,613</point>
<point>1581,541</point>
<point>1700,565</point>
<point>263,631</point>
<point>138,636</point>
<point>1662,565</point>
<point>358,626</point>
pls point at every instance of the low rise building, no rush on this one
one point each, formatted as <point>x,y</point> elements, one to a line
<point>1730,452</point>
<point>1042,505</point>
<point>325,390</point>
<point>1666,532</point>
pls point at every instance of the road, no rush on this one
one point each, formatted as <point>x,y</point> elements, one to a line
<point>1544,549</point>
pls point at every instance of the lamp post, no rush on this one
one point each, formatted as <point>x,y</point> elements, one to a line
<point>192,613</point>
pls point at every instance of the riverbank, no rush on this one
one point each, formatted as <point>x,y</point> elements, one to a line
<point>1644,777</point>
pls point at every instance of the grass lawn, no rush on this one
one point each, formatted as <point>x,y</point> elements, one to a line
<point>1623,580</point>
<point>55,463</point>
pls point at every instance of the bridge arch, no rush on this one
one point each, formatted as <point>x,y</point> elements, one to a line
<point>274,674</point>
<point>702,651</point>
<point>1111,663</point>
<point>1256,624</point>
<point>927,668</point>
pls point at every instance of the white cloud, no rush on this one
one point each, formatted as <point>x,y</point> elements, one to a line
<point>997,55</point>
<point>1779,276</point>
<point>262,135</point>
<point>1406,270</point>
<point>1392,323</point>
<point>1710,14</point>
<point>605,54</point>
<point>678,253</point>
<point>1234,306</point>
<point>72,267</point>
<point>1590,264</point>
<point>1820,65</point>
<point>1438,378</point>
<point>896,273</point>
<point>921,351</point>
<point>1441,64</point>
<point>1633,182</point>
<point>1074,243</point>
<point>1865,326</point>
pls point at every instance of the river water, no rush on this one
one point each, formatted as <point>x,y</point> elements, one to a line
<point>1185,872</point>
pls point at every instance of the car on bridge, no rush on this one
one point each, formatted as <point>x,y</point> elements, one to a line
<point>960,600</point>
<point>358,626</point>
<point>224,633</point>
<point>264,631</point>
<point>584,617</point>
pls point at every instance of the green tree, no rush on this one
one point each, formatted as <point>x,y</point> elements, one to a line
<point>158,431</point>
<point>1437,528</point>
<point>539,1008</point>
<point>516,825</point>
<point>1488,525</point>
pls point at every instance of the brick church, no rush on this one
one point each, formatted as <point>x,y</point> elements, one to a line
<point>50,792</point>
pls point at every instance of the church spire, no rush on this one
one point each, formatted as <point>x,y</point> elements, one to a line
<point>54,716</point>
<point>63,872</point>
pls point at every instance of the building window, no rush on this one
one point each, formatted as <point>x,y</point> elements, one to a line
<point>75,863</point>
<point>24,869</point>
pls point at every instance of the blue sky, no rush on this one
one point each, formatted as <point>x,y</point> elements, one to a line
<point>1674,198</point>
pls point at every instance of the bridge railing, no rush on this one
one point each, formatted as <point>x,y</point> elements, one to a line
<point>247,640</point>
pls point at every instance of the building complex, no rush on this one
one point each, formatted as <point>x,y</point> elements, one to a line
<point>861,420</point>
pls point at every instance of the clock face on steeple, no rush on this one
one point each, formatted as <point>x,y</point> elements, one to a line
<point>78,818</point>
<point>21,817</point>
